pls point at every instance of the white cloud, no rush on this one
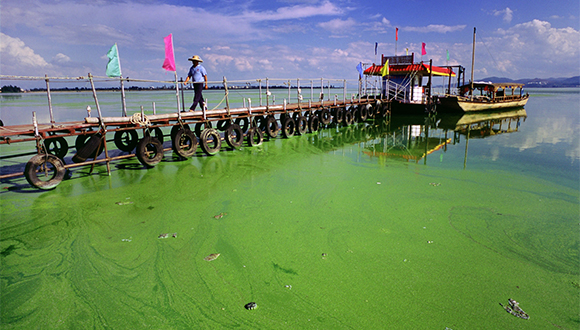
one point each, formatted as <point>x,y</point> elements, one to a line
<point>293,12</point>
<point>507,14</point>
<point>438,28</point>
<point>61,58</point>
<point>15,51</point>
<point>338,26</point>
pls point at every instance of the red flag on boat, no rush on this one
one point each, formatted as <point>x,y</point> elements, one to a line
<point>423,51</point>
<point>169,63</point>
<point>396,34</point>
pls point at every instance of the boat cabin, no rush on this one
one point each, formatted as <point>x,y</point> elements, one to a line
<point>493,91</point>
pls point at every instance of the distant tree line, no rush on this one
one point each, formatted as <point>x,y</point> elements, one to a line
<point>11,89</point>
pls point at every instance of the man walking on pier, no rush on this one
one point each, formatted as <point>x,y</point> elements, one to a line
<point>198,74</point>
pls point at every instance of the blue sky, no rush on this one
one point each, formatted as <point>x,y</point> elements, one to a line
<point>286,38</point>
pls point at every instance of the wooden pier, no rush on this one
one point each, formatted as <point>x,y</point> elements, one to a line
<point>206,129</point>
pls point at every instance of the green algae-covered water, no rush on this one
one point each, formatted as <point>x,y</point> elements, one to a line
<point>343,229</point>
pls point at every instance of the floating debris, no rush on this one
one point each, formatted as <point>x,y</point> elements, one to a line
<point>124,203</point>
<point>515,310</point>
<point>163,236</point>
<point>435,184</point>
<point>288,286</point>
<point>250,306</point>
<point>212,257</point>
<point>174,235</point>
<point>219,216</point>
<point>126,240</point>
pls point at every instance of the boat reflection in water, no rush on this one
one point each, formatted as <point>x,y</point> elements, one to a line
<point>414,138</point>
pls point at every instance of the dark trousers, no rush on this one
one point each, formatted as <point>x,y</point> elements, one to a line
<point>197,97</point>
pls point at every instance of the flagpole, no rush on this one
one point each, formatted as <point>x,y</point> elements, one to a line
<point>123,103</point>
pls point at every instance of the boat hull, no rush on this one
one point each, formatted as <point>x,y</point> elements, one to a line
<point>461,104</point>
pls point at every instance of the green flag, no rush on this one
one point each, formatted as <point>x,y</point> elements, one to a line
<point>114,66</point>
<point>448,55</point>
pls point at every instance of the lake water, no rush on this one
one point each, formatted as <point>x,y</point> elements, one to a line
<point>343,229</point>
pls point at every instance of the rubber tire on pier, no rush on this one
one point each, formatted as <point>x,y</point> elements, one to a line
<point>271,127</point>
<point>243,126</point>
<point>56,146</point>
<point>126,140</point>
<point>338,115</point>
<point>288,127</point>
<point>348,118</point>
<point>149,151</point>
<point>260,122</point>
<point>210,141</point>
<point>38,164</point>
<point>234,136</point>
<point>157,133</point>
<point>313,124</point>
<point>324,116</point>
<point>296,115</point>
<point>91,149</point>
<point>254,137</point>
<point>301,125</point>
<point>184,143</point>
<point>174,130</point>
<point>363,112</point>
<point>222,125</point>
<point>198,128</point>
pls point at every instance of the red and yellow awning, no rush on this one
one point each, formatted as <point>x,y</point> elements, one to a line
<point>405,69</point>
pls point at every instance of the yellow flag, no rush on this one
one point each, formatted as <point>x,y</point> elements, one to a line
<point>385,69</point>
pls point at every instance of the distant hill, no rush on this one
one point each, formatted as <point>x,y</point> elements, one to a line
<point>539,82</point>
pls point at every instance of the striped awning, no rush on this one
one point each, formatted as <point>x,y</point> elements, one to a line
<point>404,69</point>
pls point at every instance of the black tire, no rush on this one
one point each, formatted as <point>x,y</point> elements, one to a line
<point>199,129</point>
<point>91,149</point>
<point>245,125</point>
<point>174,130</point>
<point>222,125</point>
<point>158,133</point>
<point>271,127</point>
<point>254,137</point>
<point>210,141</point>
<point>56,146</point>
<point>184,143</point>
<point>260,122</point>
<point>234,136</point>
<point>296,115</point>
<point>301,125</point>
<point>50,165</point>
<point>348,118</point>
<point>313,124</point>
<point>372,111</point>
<point>149,151</point>
<point>288,127</point>
<point>324,116</point>
<point>126,140</point>
<point>338,115</point>
<point>363,113</point>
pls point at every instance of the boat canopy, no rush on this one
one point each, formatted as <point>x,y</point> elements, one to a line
<point>405,69</point>
<point>490,87</point>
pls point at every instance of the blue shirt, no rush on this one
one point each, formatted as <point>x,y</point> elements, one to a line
<point>197,73</point>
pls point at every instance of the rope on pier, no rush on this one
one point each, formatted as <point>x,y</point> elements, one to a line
<point>136,119</point>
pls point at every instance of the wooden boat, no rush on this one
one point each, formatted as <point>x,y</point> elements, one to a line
<point>491,96</point>
<point>483,96</point>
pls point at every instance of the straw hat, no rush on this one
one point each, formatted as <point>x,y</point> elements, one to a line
<point>195,58</point>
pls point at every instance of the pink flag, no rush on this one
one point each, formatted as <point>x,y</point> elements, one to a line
<point>169,63</point>
<point>423,51</point>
